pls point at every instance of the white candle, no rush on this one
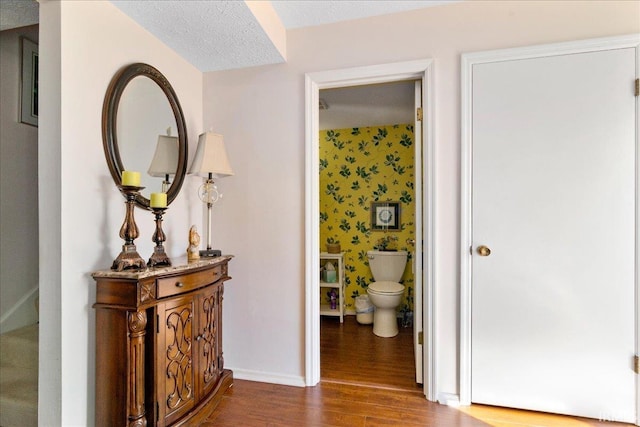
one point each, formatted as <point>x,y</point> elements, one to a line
<point>131,179</point>
<point>158,200</point>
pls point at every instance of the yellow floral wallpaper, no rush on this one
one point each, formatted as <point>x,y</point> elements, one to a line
<point>359,166</point>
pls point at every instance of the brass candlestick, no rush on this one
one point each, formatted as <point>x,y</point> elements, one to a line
<point>159,256</point>
<point>129,257</point>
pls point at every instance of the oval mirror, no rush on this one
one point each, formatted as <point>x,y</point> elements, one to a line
<point>143,130</point>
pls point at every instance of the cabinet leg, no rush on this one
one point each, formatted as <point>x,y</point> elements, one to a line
<point>135,399</point>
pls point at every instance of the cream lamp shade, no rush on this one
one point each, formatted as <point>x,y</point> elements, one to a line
<point>211,157</point>
<point>165,159</point>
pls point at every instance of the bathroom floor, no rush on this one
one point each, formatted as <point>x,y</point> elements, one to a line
<point>351,354</point>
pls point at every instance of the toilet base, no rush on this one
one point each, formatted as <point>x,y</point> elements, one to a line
<point>385,323</point>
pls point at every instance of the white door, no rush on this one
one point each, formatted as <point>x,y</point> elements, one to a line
<point>418,246</point>
<point>553,199</point>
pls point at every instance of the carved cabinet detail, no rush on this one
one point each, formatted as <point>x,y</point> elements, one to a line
<point>175,359</point>
<point>209,359</point>
<point>159,359</point>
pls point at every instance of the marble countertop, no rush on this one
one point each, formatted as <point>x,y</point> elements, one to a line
<point>179,264</point>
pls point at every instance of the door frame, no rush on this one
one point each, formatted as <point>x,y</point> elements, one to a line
<point>314,82</point>
<point>466,241</point>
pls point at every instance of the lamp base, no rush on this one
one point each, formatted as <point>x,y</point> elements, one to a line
<point>210,253</point>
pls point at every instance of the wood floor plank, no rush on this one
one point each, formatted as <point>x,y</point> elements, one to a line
<point>256,404</point>
<point>367,381</point>
<point>351,354</point>
<point>253,404</point>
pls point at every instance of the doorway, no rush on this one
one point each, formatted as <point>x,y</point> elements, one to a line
<point>19,269</point>
<point>554,177</point>
<point>415,70</point>
<point>367,157</point>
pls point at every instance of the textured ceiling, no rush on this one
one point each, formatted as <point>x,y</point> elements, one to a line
<point>17,13</point>
<point>225,34</point>
<point>218,35</point>
<point>212,35</point>
<point>306,13</point>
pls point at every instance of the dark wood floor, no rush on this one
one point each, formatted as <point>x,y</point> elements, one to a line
<point>366,381</point>
<point>252,404</point>
<point>351,353</point>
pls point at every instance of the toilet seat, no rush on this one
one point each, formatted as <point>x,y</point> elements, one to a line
<point>386,287</point>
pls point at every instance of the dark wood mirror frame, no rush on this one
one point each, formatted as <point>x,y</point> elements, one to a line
<point>109,126</point>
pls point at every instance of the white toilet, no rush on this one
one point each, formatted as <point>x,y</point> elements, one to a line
<point>386,293</point>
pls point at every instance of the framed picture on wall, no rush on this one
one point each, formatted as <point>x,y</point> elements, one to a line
<point>385,216</point>
<point>29,87</point>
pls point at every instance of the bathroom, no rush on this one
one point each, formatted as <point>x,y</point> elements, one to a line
<point>366,159</point>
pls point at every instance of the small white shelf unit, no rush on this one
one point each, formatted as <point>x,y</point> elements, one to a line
<point>325,308</point>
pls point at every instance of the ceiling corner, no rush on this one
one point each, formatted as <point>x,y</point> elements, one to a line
<point>270,22</point>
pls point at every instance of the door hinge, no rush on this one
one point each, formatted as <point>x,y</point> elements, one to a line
<point>157,411</point>
<point>637,87</point>
<point>420,337</point>
<point>157,323</point>
<point>419,114</point>
<point>636,364</point>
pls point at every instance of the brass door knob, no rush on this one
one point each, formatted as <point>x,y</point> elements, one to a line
<point>483,251</point>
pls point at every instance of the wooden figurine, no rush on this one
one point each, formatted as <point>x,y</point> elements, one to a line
<point>193,251</point>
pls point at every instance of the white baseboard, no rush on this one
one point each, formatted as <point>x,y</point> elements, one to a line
<point>267,377</point>
<point>449,399</point>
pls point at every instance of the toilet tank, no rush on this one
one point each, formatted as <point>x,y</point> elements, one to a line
<point>387,265</point>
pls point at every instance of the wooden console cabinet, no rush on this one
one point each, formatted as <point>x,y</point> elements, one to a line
<point>159,359</point>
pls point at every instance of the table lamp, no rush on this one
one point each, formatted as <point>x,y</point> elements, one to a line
<point>211,162</point>
<point>165,159</point>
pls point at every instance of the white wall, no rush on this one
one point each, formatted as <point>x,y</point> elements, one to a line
<point>261,218</point>
<point>83,44</point>
<point>260,111</point>
<point>18,191</point>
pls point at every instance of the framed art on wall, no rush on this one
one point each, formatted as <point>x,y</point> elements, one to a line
<point>385,216</point>
<point>29,89</point>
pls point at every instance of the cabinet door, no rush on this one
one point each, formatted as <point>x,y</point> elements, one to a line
<point>175,359</point>
<point>207,362</point>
